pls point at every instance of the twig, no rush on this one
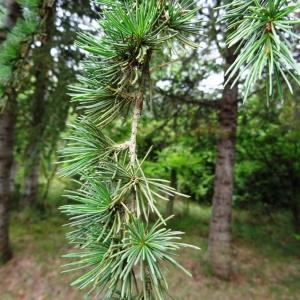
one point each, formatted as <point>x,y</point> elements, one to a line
<point>138,111</point>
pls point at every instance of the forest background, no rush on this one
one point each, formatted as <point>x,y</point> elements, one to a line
<point>259,246</point>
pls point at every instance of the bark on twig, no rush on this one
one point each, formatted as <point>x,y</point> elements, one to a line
<point>138,111</point>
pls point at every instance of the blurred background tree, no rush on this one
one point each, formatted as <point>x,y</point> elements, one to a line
<point>37,59</point>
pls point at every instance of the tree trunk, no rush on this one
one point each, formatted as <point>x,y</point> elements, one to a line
<point>31,178</point>
<point>40,97</point>
<point>13,173</point>
<point>220,224</point>
<point>170,204</point>
<point>7,121</point>
<point>31,181</point>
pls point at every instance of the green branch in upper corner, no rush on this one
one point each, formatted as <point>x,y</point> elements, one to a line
<point>263,33</point>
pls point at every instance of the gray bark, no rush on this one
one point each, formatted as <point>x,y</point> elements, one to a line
<point>220,225</point>
<point>7,120</point>
<point>6,160</point>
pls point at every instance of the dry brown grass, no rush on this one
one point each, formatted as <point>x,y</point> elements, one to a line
<point>34,273</point>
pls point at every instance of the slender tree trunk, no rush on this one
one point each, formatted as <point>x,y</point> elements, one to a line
<point>13,173</point>
<point>31,180</point>
<point>41,70</point>
<point>220,224</point>
<point>7,121</point>
<point>173,182</point>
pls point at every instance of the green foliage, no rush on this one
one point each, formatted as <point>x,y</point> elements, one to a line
<point>100,105</point>
<point>116,260</point>
<point>11,49</point>
<point>194,163</point>
<point>262,31</point>
<point>110,216</point>
<point>29,4</point>
<point>268,157</point>
<point>115,59</point>
<point>87,146</point>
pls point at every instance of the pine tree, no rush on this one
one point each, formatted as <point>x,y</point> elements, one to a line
<point>116,244</point>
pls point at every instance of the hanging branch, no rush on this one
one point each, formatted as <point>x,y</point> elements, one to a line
<point>109,214</point>
<point>263,31</point>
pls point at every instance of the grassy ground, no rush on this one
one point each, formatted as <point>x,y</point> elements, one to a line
<point>266,260</point>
